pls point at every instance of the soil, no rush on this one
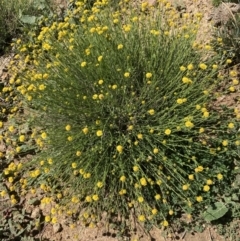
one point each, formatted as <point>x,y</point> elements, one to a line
<point>80,233</point>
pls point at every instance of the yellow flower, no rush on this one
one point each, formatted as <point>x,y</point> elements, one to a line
<point>231,125</point>
<point>88,199</point>
<point>203,66</point>
<point>130,128</point>
<point>228,61</point>
<point>148,75</point>
<point>201,130</point>
<point>189,124</point>
<point>120,46</point>
<point>168,132</point>
<point>209,182</point>
<point>143,181</point>
<point>126,75</point>
<point>22,138</point>
<point>219,176</point>
<point>74,165</point>
<point>114,87</point>
<point>83,64</point>
<point>47,218</point>
<point>233,73</point>
<point>154,211</point>
<point>44,135</point>
<point>1,124</point>
<point>135,168</point>
<point>190,67</point>
<point>140,136</point>
<point>231,88</point>
<point>206,114</point>
<point>141,218</point>
<point>95,197</point>
<point>170,212</point>
<point>165,223</point>
<point>199,169</point>
<point>185,187</point>
<point>199,198</point>
<point>68,127</point>
<point>206,188</point>
<point>119,148</point>
<point>100,82</point>
<point>140,199</point>
<point>215,66</point>
<point>99,184</point>
<point>157,196</point>
<point>70,138</point>
<point>151,112</point>
<point>155,150</point>
<point>235,82</point>
<point>191,177</point>
<point>225,142</point>
<point>186,80</point>
<point>75,199</point>
<point>182,68</point>
<point>122,178</point>
<point>99,133</point>
<point>122,192</point>
<point>85,130</point>
<point>78,153</point>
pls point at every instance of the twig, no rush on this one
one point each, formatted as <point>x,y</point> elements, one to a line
<point>210,234</point>
<point>184,234</point>
<point>2,200</point>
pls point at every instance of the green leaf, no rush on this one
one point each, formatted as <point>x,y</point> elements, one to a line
<point>28,19</point>
<point>215,211</point>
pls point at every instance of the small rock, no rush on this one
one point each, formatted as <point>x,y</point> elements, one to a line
<point>36,213</point>
<point>57,227</point>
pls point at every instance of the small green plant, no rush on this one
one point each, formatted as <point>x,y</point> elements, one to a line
<point>216,3</point>
<point>229,39</point>
<point>17,14</point>
<point>121,107</point>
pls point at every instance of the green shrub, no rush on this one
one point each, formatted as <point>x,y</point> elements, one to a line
<point>229,39</point>
<point>121,106</point>
<point>17,14</point>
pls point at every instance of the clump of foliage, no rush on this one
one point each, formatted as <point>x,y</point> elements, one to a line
<point>121,110</point>
<point>16,15</point>
<point>216,3</point>
<point>229,39</point>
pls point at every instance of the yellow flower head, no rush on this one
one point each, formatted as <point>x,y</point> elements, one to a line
<point>126,75</point>
<point>148,75</point>
<point>206,188</point>
<point>219,176</point>
<point>99,133</point>
<point>143,181</point>
<point>189,124</point>
<point>68,127</point>
<point>151,112</point>
<point>225,142</point>
<point>141,218</point>
<point>203,66</point>
<point>85,130</point>
<point>199,198</point>
<point>120,46</point>
<point>167,132</point>
<point>119,148</point>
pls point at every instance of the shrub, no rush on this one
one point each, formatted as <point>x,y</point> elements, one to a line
<point>121,106</point>
<point>17,14</point>
<point>228,39</point>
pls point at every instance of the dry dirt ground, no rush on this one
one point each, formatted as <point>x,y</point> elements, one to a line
<point>80,233</point>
